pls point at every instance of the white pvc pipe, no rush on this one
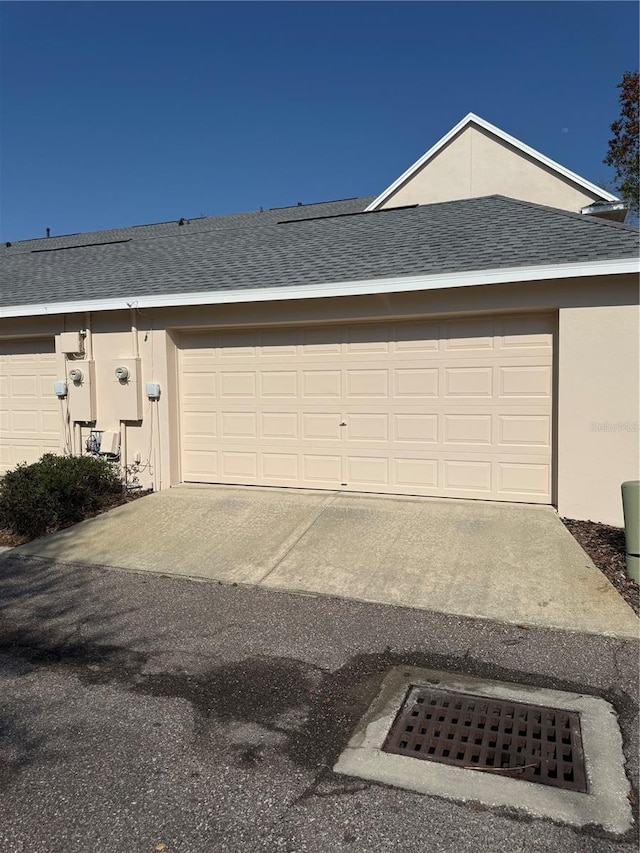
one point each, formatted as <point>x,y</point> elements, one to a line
<point>123,450</point>
<point>134,334</point>
<point>88,342</point>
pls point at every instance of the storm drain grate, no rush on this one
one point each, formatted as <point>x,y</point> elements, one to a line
<point>529,742</point>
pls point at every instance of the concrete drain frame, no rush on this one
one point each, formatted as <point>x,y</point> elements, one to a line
<point>605,803</point>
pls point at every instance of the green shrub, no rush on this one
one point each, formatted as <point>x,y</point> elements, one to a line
<point>55,492</point>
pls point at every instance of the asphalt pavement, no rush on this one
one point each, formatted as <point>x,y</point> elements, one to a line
<point>138,710</point>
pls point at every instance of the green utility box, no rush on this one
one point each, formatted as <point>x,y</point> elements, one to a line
<point>631,509</point>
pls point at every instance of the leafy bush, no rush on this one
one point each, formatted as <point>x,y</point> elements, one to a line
<point>55,492</point>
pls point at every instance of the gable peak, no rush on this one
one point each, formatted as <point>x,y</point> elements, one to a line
<point>500,136</point>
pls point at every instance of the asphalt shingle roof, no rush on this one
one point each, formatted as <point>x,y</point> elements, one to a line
<point>310,244</point>
<point>225,222</point>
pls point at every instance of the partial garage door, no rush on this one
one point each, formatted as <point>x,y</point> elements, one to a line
<point>29,416</point>
<point>455,408</point>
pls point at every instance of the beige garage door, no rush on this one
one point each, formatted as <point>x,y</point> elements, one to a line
<point>455,408</point>
<point>29,417</point>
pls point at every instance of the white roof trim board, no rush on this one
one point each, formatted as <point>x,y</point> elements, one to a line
<point>471,118</point>
<point>401,284</point>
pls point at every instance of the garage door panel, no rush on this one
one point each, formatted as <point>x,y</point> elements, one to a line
<point>30,350</point>
<point>238,384</point>
<point>197,384</point>
<point>280,466</point>
<point>28,453</point>
<point>526,333</point>
<point>322,383</point>
<point>25,421</point>
<point>194,342</point>
<point>467,429</point>
<point>459,408</point>
<point>323,342</point>
<point>367,383</point>
<point>322,469</point>
<point>525,381</point>
<point>237,344</point>
<point>419,337</point>
<point>201,424</point>
<point>524,430</point>
<point>415,427</point>
<point>416,475</point>
<point>279,343</point>
<point>279,383</point>
<point>29,410</point>
<point>468,476</point>
<point>200,464</point>
<point>363,427</point>
<point>279,425</point>
<point>239,465</point>
<point>467,335</point>
<point>367,471</point>
<point>321,426</point>
<point>468,382</point>
<point>46,382</point>
<point>368,339</point>
<point>521,478</point>
<point>416,382</point>
<point>19,452</point>
<point>24,386</point>
<point>239,425</point>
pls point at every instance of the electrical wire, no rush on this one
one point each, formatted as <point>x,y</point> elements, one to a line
<point>150,463</point>
<point>66,425</point>
<point>159,466</point>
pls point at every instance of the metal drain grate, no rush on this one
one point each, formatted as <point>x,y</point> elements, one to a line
<point>529,742</point>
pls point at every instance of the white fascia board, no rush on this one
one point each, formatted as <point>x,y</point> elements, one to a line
<point>368,287</point>
<point>471,118</point>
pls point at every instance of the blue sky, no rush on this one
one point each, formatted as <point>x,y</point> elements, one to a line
<point>117,114</point>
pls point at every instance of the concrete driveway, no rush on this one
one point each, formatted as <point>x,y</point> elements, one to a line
<point>506,562</point>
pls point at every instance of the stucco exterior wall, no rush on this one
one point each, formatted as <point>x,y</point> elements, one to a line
<point>596,357</point>
<point>149,437</point>
<point>110,341</point>
<point>598,412</point>
<point>475,163</point>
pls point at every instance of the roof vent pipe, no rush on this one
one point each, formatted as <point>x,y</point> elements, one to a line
<point>48,232</point>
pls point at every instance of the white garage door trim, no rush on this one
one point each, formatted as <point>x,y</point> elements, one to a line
<point>450,408</point>
<point>29,410</point>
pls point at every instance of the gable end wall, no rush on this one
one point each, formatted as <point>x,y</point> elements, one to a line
<point>474,163</point>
